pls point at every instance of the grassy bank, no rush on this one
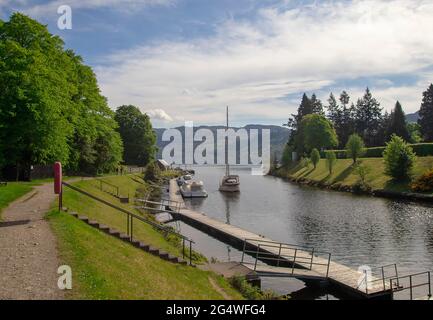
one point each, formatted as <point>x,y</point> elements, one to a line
<point>345,175</point>
<point>105,268</point>
<point>11,192</point>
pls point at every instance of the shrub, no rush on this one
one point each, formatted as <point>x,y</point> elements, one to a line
<point>355,147</point>
<point>424,183</point>
<point>152,173</point>
<point>362,171</point>
<point>331,160</point>
<point>315,157</point>
<point>399,158</point>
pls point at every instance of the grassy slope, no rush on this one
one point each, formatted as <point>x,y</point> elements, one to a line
<point>106,268</point>
<point>111,217</point>
<point>343,173</point>
<point>12,192</point>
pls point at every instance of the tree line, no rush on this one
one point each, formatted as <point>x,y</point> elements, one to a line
<point>51,108</point>
<point>330,126</point>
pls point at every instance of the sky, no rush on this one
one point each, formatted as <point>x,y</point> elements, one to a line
<point>186,60</point>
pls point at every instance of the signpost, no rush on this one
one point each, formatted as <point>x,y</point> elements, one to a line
<point>58,182</point>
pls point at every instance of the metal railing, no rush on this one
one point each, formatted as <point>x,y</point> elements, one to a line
<point>131,217</point>
<point>383,277</point>
<point>174,206</point>
<point>277,253</point>
<point>411,286</point>
<point>113,187</point>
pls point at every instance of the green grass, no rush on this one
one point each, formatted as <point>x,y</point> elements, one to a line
<point>344,173</point>
<point>104,267</point>
<point>12,192</point>
<point>112,217</point>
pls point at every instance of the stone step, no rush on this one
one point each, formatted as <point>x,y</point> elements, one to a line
<point>163,255</point>
<point>124,237</point>
<point>172,258</point>
<point>74,214</point>
<point>84,219</point>
<point>104,228</point>
<point>144,247</point>
<point>114,232</point>
<point>94,223</point>
<point>154,251</point>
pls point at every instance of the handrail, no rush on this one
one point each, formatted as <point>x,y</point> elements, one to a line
<point>131,216</point>
<point>108,184</point>
<point>261,252</point>
<point>411,285</point>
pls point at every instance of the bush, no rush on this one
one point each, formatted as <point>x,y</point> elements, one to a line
<point>331,160</point>
<point>424,183</point>
<point>362,171</point>
<point>355,147</point>
<point>152,173</point>
<point>399,158</point>
<point>315,157</point>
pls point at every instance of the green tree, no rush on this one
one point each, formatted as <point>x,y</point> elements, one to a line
<point>315,157</point>
<point>399,159</point>
<point>368,116</point>
<point>426,114</point>
<point>414,130</point>
<point>139,139</point>
<point>35,89</point>
<point>397,124</point>
<point>355,147</point>
<point>315,131</point>
<point>152,172</point>
<point>286,158</point>
<point>331,160</point>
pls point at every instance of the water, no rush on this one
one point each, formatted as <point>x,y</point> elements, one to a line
<point>357,230</point>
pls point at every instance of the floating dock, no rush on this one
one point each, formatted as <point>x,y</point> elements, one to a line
<point>273,259</point>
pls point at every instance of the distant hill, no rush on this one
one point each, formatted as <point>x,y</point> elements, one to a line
<point>412,117</point>
<point>279,136</point>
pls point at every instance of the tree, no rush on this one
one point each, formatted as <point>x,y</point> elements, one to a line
<point>331,160</point>
<point>138,137</point>
<point>368,115</point>
<point>315,131</point>
<point>414,130</point>
<point>315,157</point>
<point>51,108</point>
<point>397,124</point>
<point>355,147</point>
<point>399,159</point>
<point>426,114</point>
<point>286,158</point>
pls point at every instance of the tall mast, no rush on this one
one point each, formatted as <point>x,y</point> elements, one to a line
<point>227,147</point>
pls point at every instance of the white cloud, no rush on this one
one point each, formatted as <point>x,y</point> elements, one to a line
<point>252,66</point>
<point>159,114</point>
<point>124,5</point>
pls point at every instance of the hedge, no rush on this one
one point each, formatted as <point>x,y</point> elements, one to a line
<point>420,149</point>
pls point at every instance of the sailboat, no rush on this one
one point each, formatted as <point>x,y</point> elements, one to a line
<point>229,182</point>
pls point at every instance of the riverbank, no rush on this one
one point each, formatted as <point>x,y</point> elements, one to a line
<point>345,179</point>
<point>106,268</point>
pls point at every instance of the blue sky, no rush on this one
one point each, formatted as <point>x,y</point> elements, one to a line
<point>185,60</point>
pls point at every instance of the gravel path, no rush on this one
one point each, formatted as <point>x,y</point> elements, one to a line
<point>28,253</point>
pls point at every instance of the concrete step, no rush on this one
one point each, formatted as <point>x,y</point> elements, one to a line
<point>154,251</point>
<point>74,214</point>
<point>163,255</point>
<point>94,223</point>
<point>144,247</point>
<point>124,237</point>
<point>172,258</point>
<point>104,228</point>
<point>84,219</point>
<point>114,233</point>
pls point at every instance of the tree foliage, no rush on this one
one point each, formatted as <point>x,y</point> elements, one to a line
<point>426,115</point>
<point>355,147</point>
<point>399,158</point>
<point>315,131</point>
<point>50,107</point>
<point>397,124</point>
<point>315,157</point>
<point>331,160</point>
<point>139,138</point>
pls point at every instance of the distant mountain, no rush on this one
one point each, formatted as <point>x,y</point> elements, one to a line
<point>279,136</point>
<point>412,117</point>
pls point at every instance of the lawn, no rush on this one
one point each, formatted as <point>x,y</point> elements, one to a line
<point>104,267</point>
<point>112,217</point>
<point>344,173</point>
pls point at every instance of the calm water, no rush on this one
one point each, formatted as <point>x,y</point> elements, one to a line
<point>357,230</point>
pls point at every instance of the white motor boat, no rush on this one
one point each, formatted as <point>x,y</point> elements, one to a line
<point>193,189</point>
<point>181,180</point>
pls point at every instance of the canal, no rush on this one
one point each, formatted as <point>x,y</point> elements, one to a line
<point>357,230</point>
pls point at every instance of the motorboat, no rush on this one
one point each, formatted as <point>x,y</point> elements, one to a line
<point>229,182</point>
<point>193,189</point>
<point>181,180</point>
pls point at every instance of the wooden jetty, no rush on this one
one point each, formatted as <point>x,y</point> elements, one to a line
<point>273,259</point>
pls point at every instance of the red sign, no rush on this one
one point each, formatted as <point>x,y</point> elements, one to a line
<point>57,178</point>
